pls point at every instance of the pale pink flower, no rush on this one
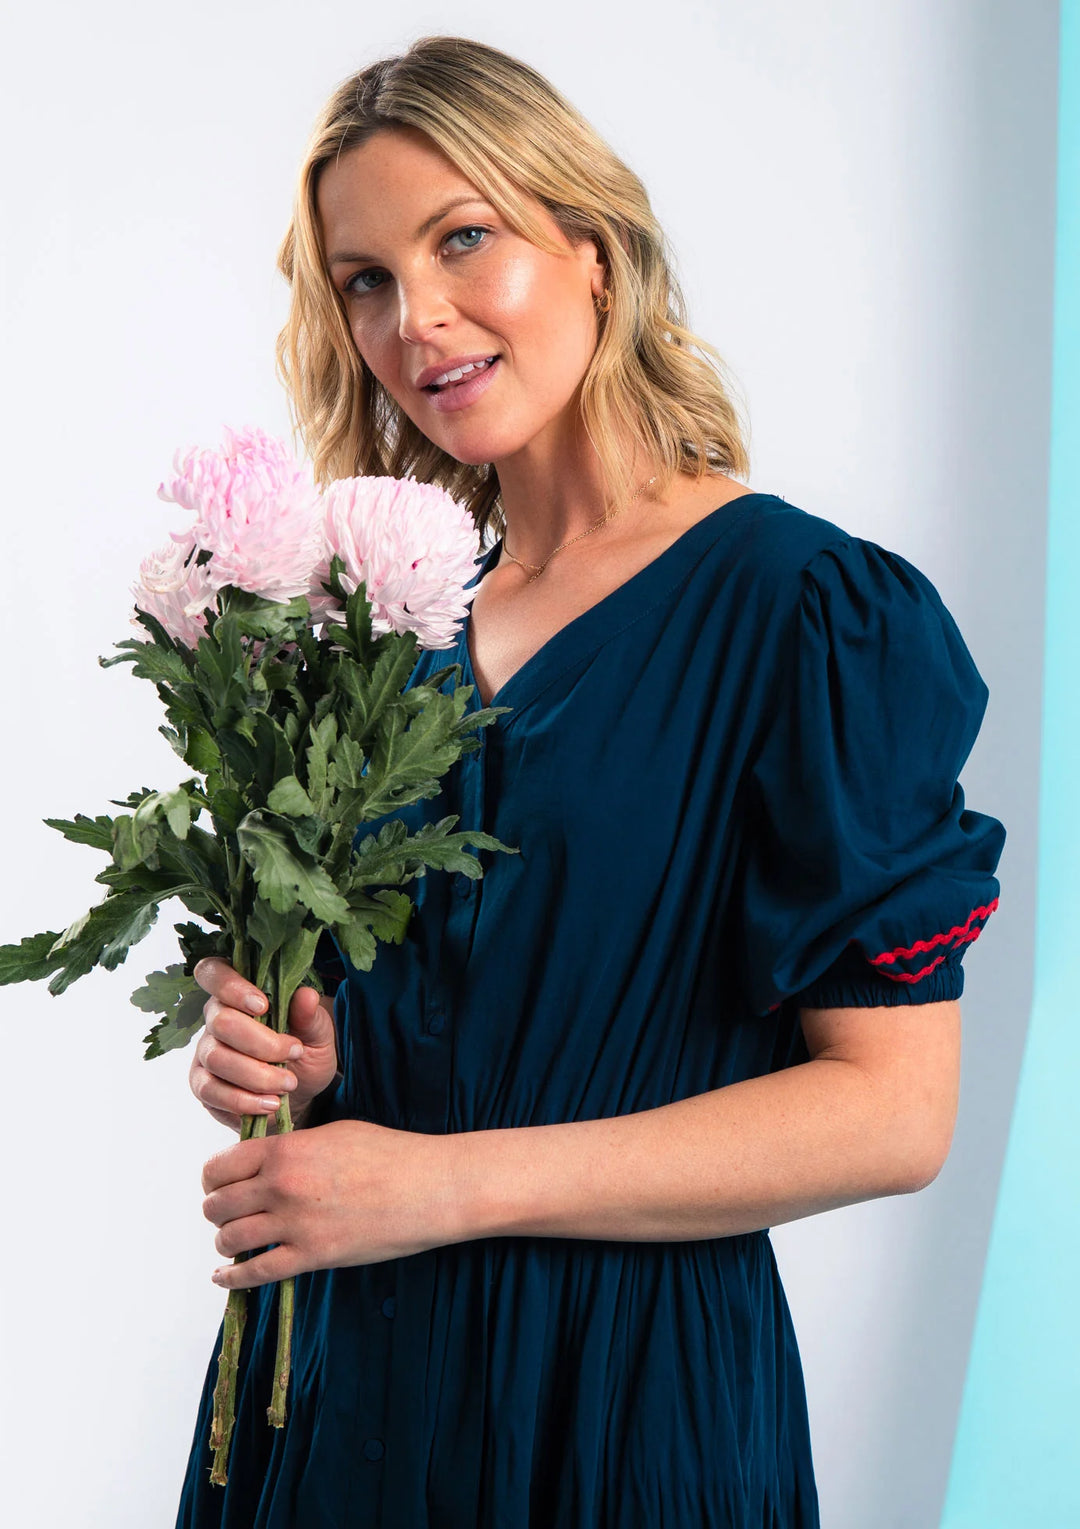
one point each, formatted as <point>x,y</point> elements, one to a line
<point>257,511</point>
<point>175,590</point>
<point>413,546</point>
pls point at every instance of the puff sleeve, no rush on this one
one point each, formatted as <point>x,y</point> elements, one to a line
<point>866,879</point>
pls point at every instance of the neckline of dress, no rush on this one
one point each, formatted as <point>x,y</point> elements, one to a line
<point>599,621</point>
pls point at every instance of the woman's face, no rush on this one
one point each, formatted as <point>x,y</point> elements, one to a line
<point>424,285</point>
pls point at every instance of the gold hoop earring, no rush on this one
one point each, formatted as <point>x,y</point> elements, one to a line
<point>603,302</point>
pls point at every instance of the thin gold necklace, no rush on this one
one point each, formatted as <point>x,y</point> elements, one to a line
<point>539,567</point>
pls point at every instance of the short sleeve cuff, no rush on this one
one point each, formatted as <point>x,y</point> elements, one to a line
<point>852,983</point>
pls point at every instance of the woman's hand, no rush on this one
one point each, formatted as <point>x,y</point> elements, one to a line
<point>233,1072</point>
<point>349,1192</point>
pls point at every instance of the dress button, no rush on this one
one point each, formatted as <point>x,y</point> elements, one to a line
<point>389,1306</point>
<point>435,1024</point>
<point>463,884</point>
<point>374,1449</point>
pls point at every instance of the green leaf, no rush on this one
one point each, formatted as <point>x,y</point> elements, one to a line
<point>323,739</point>
<point>31,959</point>
<point>295,958</point>
<point>438,679</point>
<point>174,738</point>
<point>393,857</point>
<point>180,999</point>
<point>280,674</point>
<point>134,798</point>
<point>160,884</point>
<point>357,941</point>
<point>334,585</point>
<point>382,686</point>
<point>96,832</point>
<point>196,942</point>
<point>202,753</point>
<point>151,661</point>
<point>382,917</point>
<point>348,765</point>
<point>219,662</point>
<point>274,757</point>
<point>159,634</point>
<point>102,935</point>
<point>239,754</point>
<point>130,849</point>
<point>406,760</point>
<point>284,873</point>
<point>135,928</point>
<point>176,805</point>
<point>309,834</point>
<point>290,798</point>
<point>135,838</point>
<point>256,617</point>
<point>358,622</point>
<point>269,930</point>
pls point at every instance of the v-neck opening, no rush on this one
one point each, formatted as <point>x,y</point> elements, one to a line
<point>588,630</point>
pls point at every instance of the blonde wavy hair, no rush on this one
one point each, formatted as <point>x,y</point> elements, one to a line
<point>650,379</point>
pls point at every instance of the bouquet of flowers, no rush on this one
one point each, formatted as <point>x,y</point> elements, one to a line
<point>282,627</point>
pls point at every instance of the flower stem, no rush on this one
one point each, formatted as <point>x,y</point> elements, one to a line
<point>287,1290</point>
<point>221,1426</point>
<point>225,1391</point>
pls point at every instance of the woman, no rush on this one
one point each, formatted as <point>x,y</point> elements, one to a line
<point>544,1139</point>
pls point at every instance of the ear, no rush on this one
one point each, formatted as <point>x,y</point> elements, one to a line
<point>595,264</point>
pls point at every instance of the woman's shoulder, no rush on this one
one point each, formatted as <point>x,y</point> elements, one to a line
<point>776,539</point>
<point>790,550</point>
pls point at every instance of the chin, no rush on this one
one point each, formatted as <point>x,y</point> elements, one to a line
<point>478,451</point>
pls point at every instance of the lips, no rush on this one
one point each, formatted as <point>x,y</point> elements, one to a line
<point>439,369</point>
<point>463,372</point>
<point>455,396</point>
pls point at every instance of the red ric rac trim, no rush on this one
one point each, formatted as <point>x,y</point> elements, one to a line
<point>961,934</point>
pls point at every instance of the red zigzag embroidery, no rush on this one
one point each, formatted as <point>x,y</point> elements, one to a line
<point>961,934</point>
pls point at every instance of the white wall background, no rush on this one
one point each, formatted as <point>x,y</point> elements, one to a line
<point>861,198</point>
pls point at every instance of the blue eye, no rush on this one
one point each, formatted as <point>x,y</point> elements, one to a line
<point>349,287</point>
<point>354,286</point>
<point>470,228</point>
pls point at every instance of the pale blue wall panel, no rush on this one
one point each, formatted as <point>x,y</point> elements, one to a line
<point>1017,1453</point>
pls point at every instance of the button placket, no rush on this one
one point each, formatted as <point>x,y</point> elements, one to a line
<point>465,888</point>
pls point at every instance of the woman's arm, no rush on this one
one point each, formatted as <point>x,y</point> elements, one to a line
<point>871,1114</point>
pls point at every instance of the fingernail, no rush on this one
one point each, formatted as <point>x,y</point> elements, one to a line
<point>256,1003</point>
<point>218,1276</point>
<point>296,1050</point>
<point>269,1103</point>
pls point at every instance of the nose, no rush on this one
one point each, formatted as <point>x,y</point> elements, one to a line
<point>423,308</point>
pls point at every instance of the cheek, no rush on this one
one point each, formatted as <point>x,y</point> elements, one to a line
<point>376,339</point>
<point>519,289</point>
<point>538,307</point>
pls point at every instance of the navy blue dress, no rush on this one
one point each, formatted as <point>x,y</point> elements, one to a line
<point>733,782</point>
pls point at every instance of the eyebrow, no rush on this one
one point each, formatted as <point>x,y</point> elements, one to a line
<point>346,257</point>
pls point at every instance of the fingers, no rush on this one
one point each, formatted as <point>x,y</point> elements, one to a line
<point>214,975</point>
<point>249,1232</point>
<point>242,1197</point>
<point>281,1262</point>
<point>226,1028</point>
<point>235,1070</point>
<point>234,1066</point>
<point>240,1161</point>
<point>230,1074</point>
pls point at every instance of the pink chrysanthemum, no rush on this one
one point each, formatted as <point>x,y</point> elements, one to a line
<point>172,588</point>
<point>412,545</point>
<point>257,512</point>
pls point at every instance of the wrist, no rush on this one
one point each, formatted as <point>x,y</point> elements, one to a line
<point>475,1211</point>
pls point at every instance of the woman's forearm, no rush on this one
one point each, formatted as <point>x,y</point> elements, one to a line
<point>755,1154</point>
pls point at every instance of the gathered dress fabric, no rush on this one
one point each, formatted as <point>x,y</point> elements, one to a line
<point>732,783</point>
